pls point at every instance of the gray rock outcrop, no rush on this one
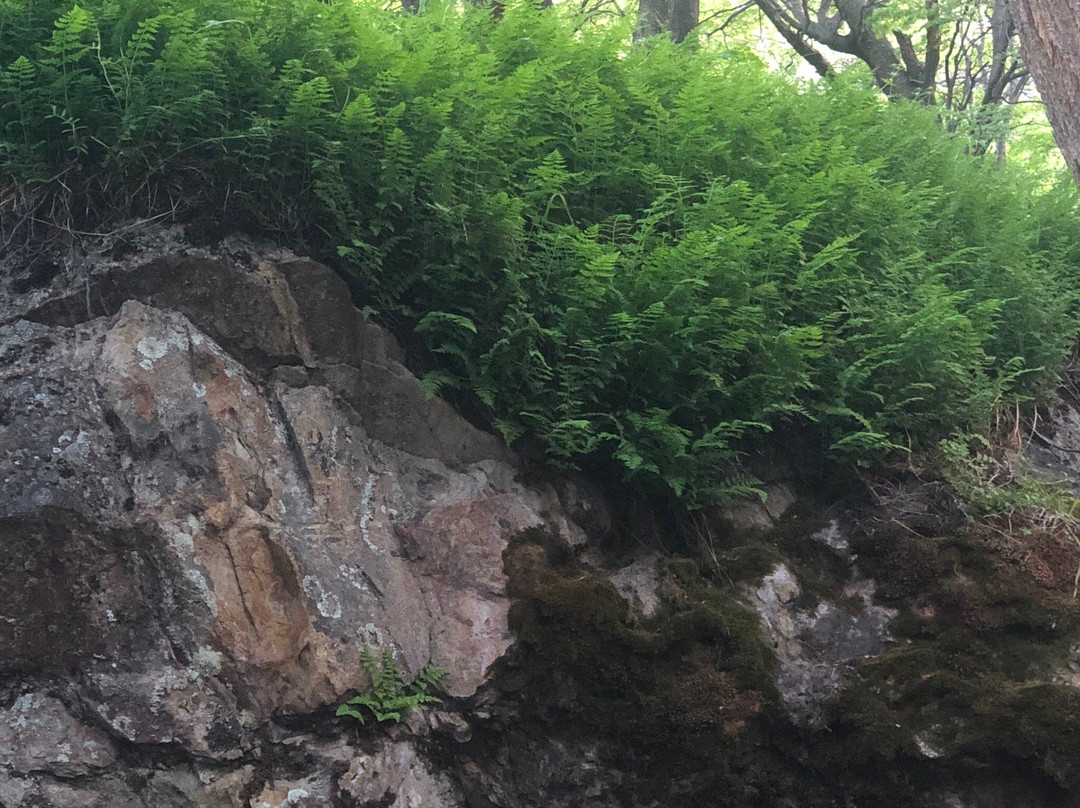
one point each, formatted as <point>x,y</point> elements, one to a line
<point>218,482</point>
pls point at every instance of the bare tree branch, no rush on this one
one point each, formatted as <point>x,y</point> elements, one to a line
<point>795,37</point>
<point>907,52</point>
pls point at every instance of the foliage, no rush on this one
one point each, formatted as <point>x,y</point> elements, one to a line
<point>646,255</point>
<point>997,482</point>
<point>390,695</point>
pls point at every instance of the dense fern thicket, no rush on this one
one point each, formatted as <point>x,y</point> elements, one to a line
<point>641,253</point>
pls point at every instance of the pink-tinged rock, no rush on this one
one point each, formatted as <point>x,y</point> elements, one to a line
<point>460,547</point>
<point>215,496</point>
<point>38,734</point>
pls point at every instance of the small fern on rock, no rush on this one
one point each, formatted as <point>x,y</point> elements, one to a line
<point>390,696</point>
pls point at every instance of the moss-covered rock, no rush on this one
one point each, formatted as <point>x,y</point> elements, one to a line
<point>577,651</point>
<point>987,629</point>
<point>971,703</point>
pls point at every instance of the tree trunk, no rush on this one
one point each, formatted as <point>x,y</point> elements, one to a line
<point>677,17</point>
<point>1050,43</point>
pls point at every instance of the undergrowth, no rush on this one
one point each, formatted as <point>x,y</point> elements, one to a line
<point>994,480</point>
<point>643,254</point>
<point>998,485</point>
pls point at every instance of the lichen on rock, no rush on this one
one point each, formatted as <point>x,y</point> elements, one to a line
<point>219,483</point>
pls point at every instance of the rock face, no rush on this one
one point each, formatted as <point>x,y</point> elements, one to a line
<point>217,484</point>
<point>816,642</point>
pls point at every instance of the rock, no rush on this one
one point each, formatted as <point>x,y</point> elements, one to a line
<point>779,497</point>
<point>187,787</point>
<point>296,794</point>
<point>584,504</point>
<point>388,773</point>
<point>279,311</point>
<point>834,537</point>
<point>1054,446</point>
<point>451,724</point>
<point>815,640</point>
<point>102,793</point>
<point>396,777</point>
<point>217,484</point>
<point>639,583</point>
<point>760,515</point>
<point>38,734</point>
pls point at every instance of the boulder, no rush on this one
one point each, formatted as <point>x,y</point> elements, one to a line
<point>218,483</point>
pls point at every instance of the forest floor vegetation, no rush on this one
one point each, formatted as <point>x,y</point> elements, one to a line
<point>644,255</point>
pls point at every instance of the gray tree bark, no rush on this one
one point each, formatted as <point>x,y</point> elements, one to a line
<point>677,17</point>
<point>1050,43</point>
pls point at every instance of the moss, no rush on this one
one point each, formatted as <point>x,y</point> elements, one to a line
<point>685,707</point>
<point>678,695</point>
<point>746,556</point>
<point>955,699</point>
<point>986,623</point>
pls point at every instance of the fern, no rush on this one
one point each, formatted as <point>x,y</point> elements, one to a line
<point>71,37</point>
<point>389,696</point>
<point>644,257</point>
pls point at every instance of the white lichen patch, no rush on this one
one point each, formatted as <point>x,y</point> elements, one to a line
<point>832,536</point>
<point>27,703</point>
<point>927,747</point>
<point>152,348</point>
<point>79,447</point>
<point>366,511</point>
<point>171,680</point>
<point>199,389</point>
<point>207,661</point>
<point>181,542</point>
<point>294,797</point>
<point>121,723</point>
<point>207,595</point>
<point>327,603</point>
<point>372,635</point>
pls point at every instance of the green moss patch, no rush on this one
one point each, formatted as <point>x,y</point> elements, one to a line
<point>581,653</point>
<point>685,704</point>
<point>988,625</point>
